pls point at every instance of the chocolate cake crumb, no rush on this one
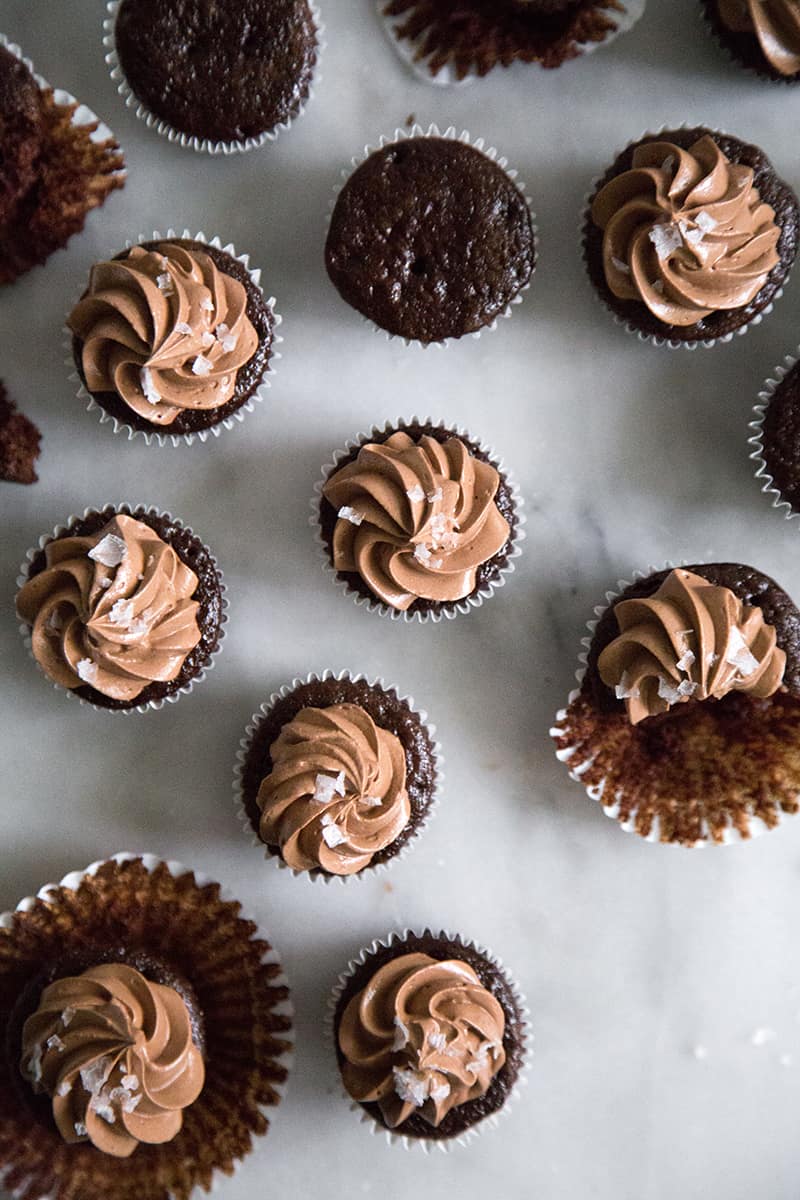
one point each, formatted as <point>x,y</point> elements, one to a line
<point>19,443</point>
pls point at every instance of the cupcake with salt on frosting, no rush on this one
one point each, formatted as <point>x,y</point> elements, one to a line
<point>762,36</point>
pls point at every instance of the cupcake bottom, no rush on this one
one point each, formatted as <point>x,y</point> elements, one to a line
<point>161,917</point>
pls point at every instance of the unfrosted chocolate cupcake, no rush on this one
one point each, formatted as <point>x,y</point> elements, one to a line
<point>686,724</point>
<point>430,239</point>
<point>19,443</point>
<point>172,337</point>
<point>760,35</point>
<point>669,253</point>
<point>430,1035</point>
<point>224,75</point>
<point>337,775</point>
<point>123,607</point>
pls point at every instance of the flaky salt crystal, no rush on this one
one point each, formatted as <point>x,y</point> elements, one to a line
<point>658,286</point>
<point>349,514</point>
<point>415,493</point>
<point>121,612</point>
<point>86,670</point>
<point>410,1087</point>
<point>54,1042</point>
<point>668,163</point>
<point>327,786</point>
<point>201,365</point>
<point>131,1082</point>
<point>226,337</point>
<point>738,654</point>
<point>686,687</point>
<point>332,836</point>
<point>371,801</point>
<point>147,384</point>
<point>64,1088</point>
<point>34,1065</point>
<point>80,1129</point>
<point>705,221</point>
<point>67,1016</point>
<point>207,339</point>
<point>712,658</point>
<point>667,692</point>
<point>401,1035</point>
<point>128,1105</point>
<point>621,266</point>
<point>437,1040</point>
<point>110,550</point>
<point>440,1092</point>
<point>183,327</point>
<point>693,236</point>
<point>666,239</point>
<point>164,283</point>
<point>421,553</point>
<point>207,304</point>
<point>625,689</point>
<point>94,1076</point>
<point>435,495</point>
<point>688,660</point>
<point>105,583</point>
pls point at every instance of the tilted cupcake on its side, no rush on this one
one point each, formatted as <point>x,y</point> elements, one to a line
<point>690,236</point>
<point>760,35</point>
<point>686,725</point>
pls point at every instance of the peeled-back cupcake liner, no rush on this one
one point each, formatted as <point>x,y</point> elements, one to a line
<point>203,145</point>
<point>756,440</point>
<point>754,72</point>
<point>60,531</point>
<point>171,888</point>
<point>628,325</point>
<point>731,835</point>
<point>450,134</point>
<point>251,729</point>
<point>408,48</point>
<point>160,433</point>
<point>394,1137</point>
<point>477,598</point>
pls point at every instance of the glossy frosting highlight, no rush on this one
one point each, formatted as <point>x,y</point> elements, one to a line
<point>776,24</point>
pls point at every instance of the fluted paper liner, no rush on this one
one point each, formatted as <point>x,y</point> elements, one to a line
<point>140,903</point>
<point>449,610</point>
<point>450,134</point>
<point>416,825</point>
<point>737,819</point>
<point>160,433</point>
<point>190,141</point>
<point>518,1039</point>
<point>762,474</point>
<point>135,510</point>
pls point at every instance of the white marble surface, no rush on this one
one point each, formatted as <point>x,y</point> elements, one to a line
<point>631,954</point>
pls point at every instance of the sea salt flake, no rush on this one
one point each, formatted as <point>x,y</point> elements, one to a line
<point>86,670</point>
<point>226,337</point>
<point>349,514</point>
<point>416,493</point>
<point>94,1076</point>
<point>128,1105</point>
<point>668,163</point>
<point>686,688</point>
<point>658,286</point>
<point>739,655</point>
<point>183,327</point>
<point>67,1016</point>
<point>110,550</point>
<point>626,689</point>
<point>686,661</point>
<point>121,612</point>
<point>201,365</point>
<point>54,1042</point>
<point>80,1129</point>
<point>149,389</point>
<point>207,340</point>
<point>327,786</point>
<point>667,692</point>
<point>104,1110</point>
<point>34,1065</point>
<point>401,1035</point>
<point>165,284</point>
<point>620,266</point>
<point>705,221</point>
<point>410,1087</point>
<point>441,1091</point>
<point>666,239</point>
<point>371,801</point>
<point>436,563</point>
<point>332,836</point>
<point>64,1088</point>
<point>437,1041</point>
<point>693,236</point>
<point>711,658</point>
<point>131,1082</point>
<point>105,583</point>
<point>207,304</point>
<point>435,495</point>
<point>422,553</point>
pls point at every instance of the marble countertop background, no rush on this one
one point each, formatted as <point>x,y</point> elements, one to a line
<point>637,960</point>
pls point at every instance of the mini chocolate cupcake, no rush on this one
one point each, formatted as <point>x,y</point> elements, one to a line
<point>760,35</point>
<point>143,1030</point>
<point>215,77</point>
<point>452,40</point>
<point>430,237</point>
<point>19,443</point>
<point>431,1037</point>
<point>418,520</point>
<point>124,607</point>
<point>690,236</point>
<point>173,338</point>
<point>686,724</point>
<point>57,163</point>
<point>776,437</point>
<point>337,776</point>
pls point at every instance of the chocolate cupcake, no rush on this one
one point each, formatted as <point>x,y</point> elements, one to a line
<point>762,36</point>
<point>686,724</point>
<point>143,1030</point>
<point>173,339</point>
<point>431,1037</point>
<point>690,236</point>
<point>430,238</point>
<point>418,521</point>
<point>448,41</point>
<point>336,776</point>
<point>776,437</point>
<point>57,163</point>
<point>19,443</point>
<point>123,607</point>
<point>218,78</point>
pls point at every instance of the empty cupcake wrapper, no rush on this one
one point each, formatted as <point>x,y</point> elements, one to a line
<point>420,1144</point>
<point>628,326</point>
<point>282,1058</point>
<point>60,531</point>
<point>451,134</point>
<point>160,434</point>
<point>461,606</point>
<point>731,835</point>
<point>201,144</point>
<point>244,748</point>
<point>410,49</point>
<point>756,440</point>
<point>753,71</point>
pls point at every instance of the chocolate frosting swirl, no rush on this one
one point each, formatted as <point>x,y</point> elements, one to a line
<point>336,794</point>
<point>115,1054</point>
<point>690,640</point>
<point>416,519</point>
<point>423,1036</point>
<point>165,329</point>
<point>112,610</point>
<point>685,232</point>
<point>776,24</point>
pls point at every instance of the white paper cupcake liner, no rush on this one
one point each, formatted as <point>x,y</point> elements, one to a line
<point>756,440</point>
<point>373,604</point>
<point>60,531</point>
<point>160,434</point>
<point>392,1137</point>
<point>151,862</point>
<point>244,747</point>
<point>731,834</point>
<point>192,142</point>
<point>408,48</point>
<point>753,72</point>
<point>452,135</point>
<point>628,325</point>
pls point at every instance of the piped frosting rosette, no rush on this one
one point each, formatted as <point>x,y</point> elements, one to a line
<point>763,36</point>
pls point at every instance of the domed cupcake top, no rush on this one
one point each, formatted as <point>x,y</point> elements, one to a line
<point>776,24</point>
<point>114,1051</point>
<point>336,793</point>
<point>690,640</point>
<point>112,610</point>
<point>424,1036</point>
<point>685,232</point>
